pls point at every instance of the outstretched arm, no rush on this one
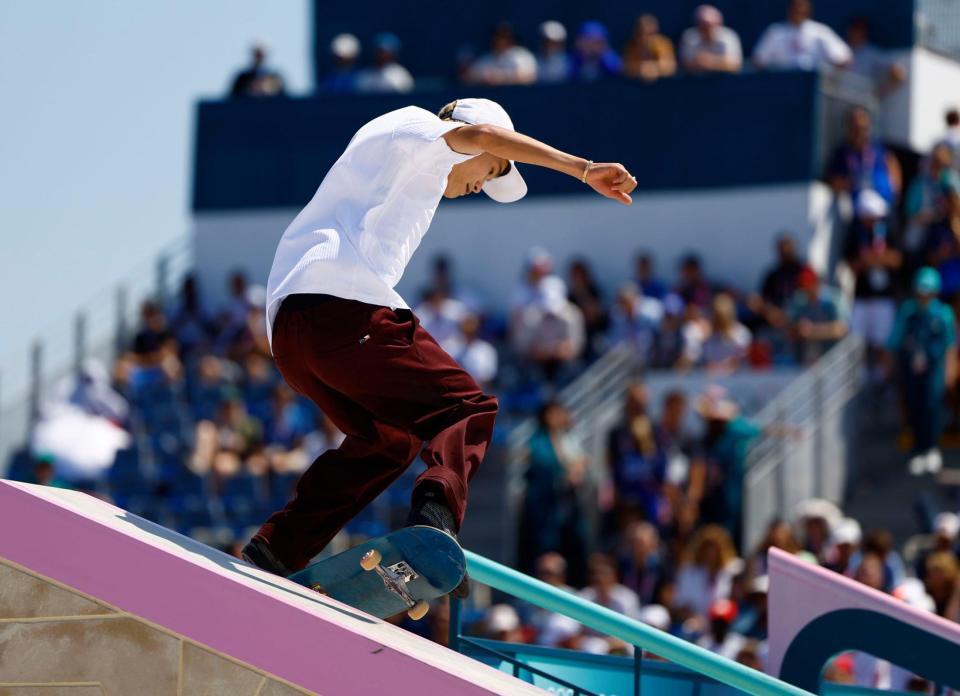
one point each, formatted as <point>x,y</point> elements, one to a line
<point>608,179</point>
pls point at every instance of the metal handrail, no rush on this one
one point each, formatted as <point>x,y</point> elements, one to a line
<point>631,631</point>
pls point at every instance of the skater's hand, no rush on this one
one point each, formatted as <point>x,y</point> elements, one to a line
<point>612,181</point>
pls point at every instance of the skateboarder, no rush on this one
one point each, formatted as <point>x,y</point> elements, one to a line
<point>342,336</point>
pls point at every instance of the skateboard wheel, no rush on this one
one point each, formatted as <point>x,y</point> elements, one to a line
<point>317,587</point>
<point>418,610</point>
<point>371,559</point>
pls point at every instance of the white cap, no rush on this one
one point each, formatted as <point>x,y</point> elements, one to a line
<point>552,30</point>
<point>947,524</point>
<point>502,618</point>
<point>847,532</point>
<point>818,508</point>
<point>655,615</point>
<point>507,188</point>
<point>871,204</point>
<point>552,292</point>
<point>345,46</point>
<point>760,585</point>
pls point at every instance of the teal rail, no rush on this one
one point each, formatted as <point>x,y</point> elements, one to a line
<point>601,619</point>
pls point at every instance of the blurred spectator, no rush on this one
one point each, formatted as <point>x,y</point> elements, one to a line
<point>940,577</point>
<point>344,48</point>
<point>719,638</point>
<point>636,463</point>
<point>923,343</point>
<point>862,163</point>
<point>189,322</point>
<point>507,63</point>
<point>684,475</point>
<point>726,347</point>
<point>550,333</point>
<point>553,62</point>
<point>694,331</point>
<point>648,54</point>
<point>706,574</point>
<point>709,46</point>
<point>946,529</point>
<point>844,545</point>
<point>234,315</point>
<point>879,72</point>
<point>634,320</point>
<point>551,568</point>
<point>726,441</point>
<point>537,265</point>
<point>932,208</point>
<point>441,316</point>
<point>693,288</point>
<point>675,337</point>
<point>605,590</point>
<point>646,278</point>
<point>816,519</point>
<point>879,542</point>
<point>477,356</point>
<point>553,517</point>
<point>753,617</point>
<point>952,136</point>
<point>386,74</point>
<point>503,624</point>
<point>873,257</point>
<point>593,59</point>
<point>257,80</point>
<point>779,283</point>
<point>870,572</point>
<point>800,43</point>
<point>814,318</point>
<point>585,293</point>
<point>643,566</point>
<point>152,357</point>
<point>943,229</point>
<point>779,536</point>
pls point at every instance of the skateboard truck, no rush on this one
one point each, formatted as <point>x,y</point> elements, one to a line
<point>395,578</point>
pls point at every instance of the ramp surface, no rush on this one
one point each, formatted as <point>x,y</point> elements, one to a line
<point>94,600</point>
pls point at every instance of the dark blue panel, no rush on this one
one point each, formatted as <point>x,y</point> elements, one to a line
<point>434,33</point>
<point>687,132</point>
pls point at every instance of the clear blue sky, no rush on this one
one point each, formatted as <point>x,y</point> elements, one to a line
<point>96,136</point>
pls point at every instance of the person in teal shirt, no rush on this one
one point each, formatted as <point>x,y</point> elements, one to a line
<point>922,341</point>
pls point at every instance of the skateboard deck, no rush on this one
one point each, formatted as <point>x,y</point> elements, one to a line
<point>407,569</point>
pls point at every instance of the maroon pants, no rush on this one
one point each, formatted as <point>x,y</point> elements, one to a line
<point>383,380</point>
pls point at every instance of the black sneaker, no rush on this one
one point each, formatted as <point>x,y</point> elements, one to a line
<point>430,509</point>
<point>258,553</point>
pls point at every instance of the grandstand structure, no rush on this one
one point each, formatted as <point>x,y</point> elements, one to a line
<point>725,164</point>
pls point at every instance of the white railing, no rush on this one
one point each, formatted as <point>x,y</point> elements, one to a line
<point>807,443</point>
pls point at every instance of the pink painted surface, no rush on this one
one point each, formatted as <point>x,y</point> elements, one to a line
<point>800,592</point>
<point>212,598</point>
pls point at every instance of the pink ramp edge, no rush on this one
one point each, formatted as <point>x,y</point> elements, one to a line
<point>264,621</point>
<point>801,591</point>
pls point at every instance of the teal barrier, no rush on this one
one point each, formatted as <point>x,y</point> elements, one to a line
<point>601,619</point>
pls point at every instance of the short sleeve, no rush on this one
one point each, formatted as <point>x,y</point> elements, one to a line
<point>835,48</point>
<point>423,133</point>
<point>732,42</point>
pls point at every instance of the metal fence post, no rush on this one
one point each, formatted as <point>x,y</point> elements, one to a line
<point>163,273</point>
<point>36,370</point>
<point>781,419</point>
<point>79,340</point>
<point>818,435</point>
<point>120,337</point>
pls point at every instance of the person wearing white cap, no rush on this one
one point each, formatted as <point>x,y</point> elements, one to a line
<point>342,336</point>
<point>553,62</point>
<point>874,257</point>
<point>709,46</point>
<point>344,48</point>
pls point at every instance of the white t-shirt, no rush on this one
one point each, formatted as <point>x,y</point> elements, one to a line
<point>810,46</point>
<point>724,42</point>
<point>513,66</point>
<point>356,236</point>
<point>389,78</point>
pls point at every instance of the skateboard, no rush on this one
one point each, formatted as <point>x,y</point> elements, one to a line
<point>401,571</point>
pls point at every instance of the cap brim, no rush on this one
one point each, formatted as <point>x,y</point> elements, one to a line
<point>507,188</point>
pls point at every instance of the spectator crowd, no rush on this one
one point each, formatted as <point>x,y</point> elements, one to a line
<point>587,54</point>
